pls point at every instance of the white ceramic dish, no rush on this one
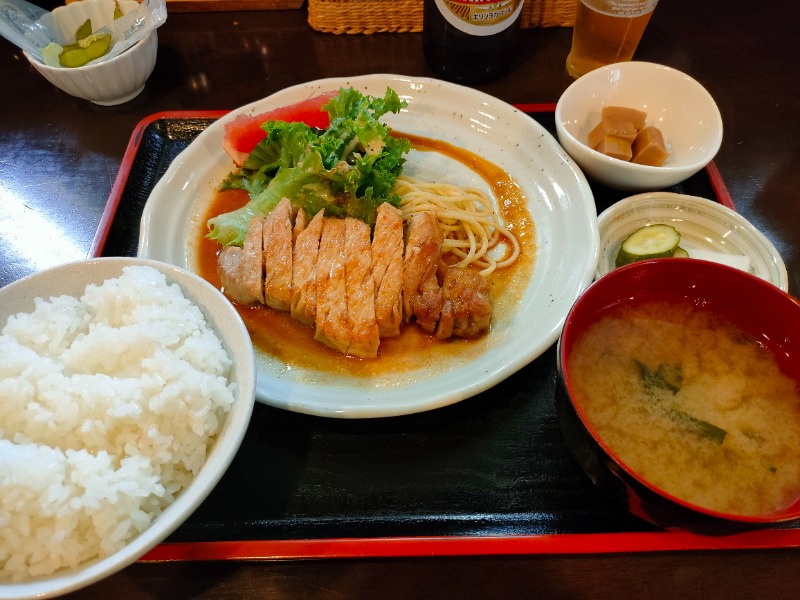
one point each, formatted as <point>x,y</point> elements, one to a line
<point>72,279</point>
<point>108,83</point>
<point>678,105</point>
<point>560,201</point>
<point>703,224</point>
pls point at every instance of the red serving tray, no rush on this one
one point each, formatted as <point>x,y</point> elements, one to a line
<point>430,545</point>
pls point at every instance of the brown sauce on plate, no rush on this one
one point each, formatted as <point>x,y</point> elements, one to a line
<point>276,334</point>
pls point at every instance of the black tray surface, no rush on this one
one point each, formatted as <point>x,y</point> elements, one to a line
<point>492,465</point>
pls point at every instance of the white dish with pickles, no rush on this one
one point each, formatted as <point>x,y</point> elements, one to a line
<point>706,230</point>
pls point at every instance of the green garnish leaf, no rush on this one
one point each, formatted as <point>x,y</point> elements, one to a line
<point>669,378</point>
<point>702,428</point>
<point>665,377</point>
<point>348,169</point>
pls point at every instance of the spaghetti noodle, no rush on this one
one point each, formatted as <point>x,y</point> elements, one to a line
<point>471,227</point>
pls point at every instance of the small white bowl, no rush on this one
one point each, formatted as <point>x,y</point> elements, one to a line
<point>708,230</point>
<point>107,83</point>
<point>679,106</point>
<point>222,317</point>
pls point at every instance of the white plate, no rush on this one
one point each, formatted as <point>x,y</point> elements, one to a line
<point>703,224</point>
<point>561,205</point>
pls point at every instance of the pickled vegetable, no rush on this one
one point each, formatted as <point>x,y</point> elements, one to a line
<point>84,31</point>
<point>77,55</point>
<point>650,241</point>
<point>87,47</point>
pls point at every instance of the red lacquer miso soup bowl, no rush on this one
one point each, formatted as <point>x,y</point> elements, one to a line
<point>680,394</point>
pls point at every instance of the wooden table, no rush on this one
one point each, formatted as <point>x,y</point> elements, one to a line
<point>59,158</point>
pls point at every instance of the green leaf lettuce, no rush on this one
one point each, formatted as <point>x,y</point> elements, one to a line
<point>348,169</point>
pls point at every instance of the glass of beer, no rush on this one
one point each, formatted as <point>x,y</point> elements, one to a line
<point>606,31</point>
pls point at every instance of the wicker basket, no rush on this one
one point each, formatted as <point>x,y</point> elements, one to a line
<point>375,16</point>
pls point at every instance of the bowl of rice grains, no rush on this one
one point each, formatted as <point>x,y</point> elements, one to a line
<point>679,394</point>
<point>127,386</point>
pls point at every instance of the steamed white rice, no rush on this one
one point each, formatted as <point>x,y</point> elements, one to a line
<point>108,405</point>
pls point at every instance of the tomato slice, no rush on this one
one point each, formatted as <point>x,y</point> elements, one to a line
<point>244,132</point>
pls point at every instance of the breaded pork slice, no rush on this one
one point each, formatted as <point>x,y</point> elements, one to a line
<point>278,256</point>
<point>304,261</point>
<point>331,325</point>
<point>241,270</point>
<point>467,308</point>
<point>422,294</point>
<point>387,269</point>
<point>362,332</point>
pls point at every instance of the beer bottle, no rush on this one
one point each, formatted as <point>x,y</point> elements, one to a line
<point>470,41</point>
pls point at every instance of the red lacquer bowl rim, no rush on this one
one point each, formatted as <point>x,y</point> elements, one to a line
<point>749,301</point>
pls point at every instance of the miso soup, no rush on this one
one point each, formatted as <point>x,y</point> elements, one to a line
<point>692,404</point>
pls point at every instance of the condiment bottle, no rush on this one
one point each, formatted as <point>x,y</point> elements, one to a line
<point>470,41</point>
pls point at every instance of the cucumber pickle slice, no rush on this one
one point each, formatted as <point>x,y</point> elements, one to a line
<point>86,48</point>
<point>77,55</point>
<point>650,241</point>
<point>680,253</point>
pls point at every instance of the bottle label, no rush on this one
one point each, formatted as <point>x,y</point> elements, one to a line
<point>480,17</point>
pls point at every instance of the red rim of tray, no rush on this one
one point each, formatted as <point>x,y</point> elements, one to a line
<point>396,547</point>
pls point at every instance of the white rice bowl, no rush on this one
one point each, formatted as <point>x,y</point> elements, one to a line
<point>123,402</point>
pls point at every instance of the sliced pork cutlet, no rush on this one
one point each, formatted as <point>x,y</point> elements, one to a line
<point>467,308</point>
<point>422,294</point>
<point>387,269</point>
<point>304,262</point>
<point>331,325</point>
<point>241,270</point>
<point>362,329</point>
<point>278,228</point>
